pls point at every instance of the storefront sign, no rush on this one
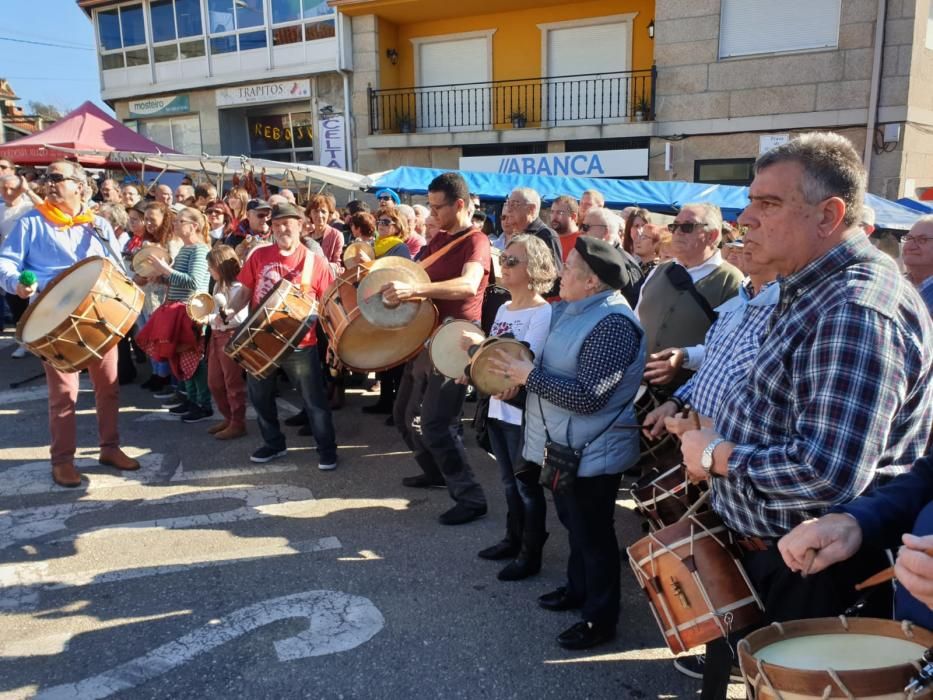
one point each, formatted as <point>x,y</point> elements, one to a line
<point>160,106</point>
<point>332,145</point>
<point>280,131</point>
<point>769,141</point>
<point>622,163</point>
<point>257,93</point>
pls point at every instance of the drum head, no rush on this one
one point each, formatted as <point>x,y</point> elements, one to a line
<point>60,298</point>
<point>447,353</point>
<point>370,300</point>
<point>142,261</point>
<point>483,377</point>
<point>349,253</point>
<point>200,306</point>
<point>364,347</point>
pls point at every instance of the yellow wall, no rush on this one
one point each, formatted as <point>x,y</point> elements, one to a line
<point>517,41</point>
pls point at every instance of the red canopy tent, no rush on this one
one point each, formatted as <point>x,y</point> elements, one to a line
<point>87,128</point>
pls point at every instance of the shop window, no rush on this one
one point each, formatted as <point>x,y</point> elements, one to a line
<point>121,29</point>
<point>171,22</point>
<point>182,134</point>
<point>287,137</point>
<point>302,19</point>
<point>725,171</point>
<point>228,17</point>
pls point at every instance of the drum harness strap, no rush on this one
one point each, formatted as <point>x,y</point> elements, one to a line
<point>461,237</point>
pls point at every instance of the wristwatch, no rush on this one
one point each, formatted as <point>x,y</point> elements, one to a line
<point>686,353</point>
<point>706,459</point>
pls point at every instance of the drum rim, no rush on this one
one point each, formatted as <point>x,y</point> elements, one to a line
<point>233,345</point>
<point>416,350</point>
<point>21,325</point>
<point>150,250</point>
<point>486,346</point>
<point>450,323</point>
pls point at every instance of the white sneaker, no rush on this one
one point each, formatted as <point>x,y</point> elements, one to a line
<point>327,467</point>
<point>19,353</point>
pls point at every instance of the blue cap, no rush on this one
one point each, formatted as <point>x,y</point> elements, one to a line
<point>389,193</point>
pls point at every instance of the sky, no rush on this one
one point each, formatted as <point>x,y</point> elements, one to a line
<point>59,75</point>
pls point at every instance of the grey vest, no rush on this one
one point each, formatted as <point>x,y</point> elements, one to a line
<point>615,449</point>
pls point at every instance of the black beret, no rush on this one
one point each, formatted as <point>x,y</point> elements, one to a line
<point>604,259</point>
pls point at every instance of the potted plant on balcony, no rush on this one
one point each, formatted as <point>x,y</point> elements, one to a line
<point>642,108</point>
<point>519,119</point>
<point>406,123</point>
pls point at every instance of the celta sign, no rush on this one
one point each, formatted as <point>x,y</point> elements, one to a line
<point>622,163</point>
<point>332,145</point>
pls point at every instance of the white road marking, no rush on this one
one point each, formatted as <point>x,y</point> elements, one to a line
<point>336,622</point>
<point>21,584</point>
<point>36,477</point>
<point>286,409</point>
<point>35,393</point>
<point>234,472</point>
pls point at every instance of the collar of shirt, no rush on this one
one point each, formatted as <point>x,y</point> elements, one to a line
<point>705,268</point>
<point>926,286</point>
<point>844,254</point>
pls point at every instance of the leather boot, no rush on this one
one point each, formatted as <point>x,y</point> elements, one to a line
<point>528,561</point>
<point>510,545</point>
<point>65,474</point>
<point>217,427</point>
<point>231,432</point>
<point>114,457</point>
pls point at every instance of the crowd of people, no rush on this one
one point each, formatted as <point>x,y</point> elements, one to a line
<point>789,357</point>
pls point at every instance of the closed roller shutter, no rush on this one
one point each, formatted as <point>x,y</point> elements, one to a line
<point>750,27</point>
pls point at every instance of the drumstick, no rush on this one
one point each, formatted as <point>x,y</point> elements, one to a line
<point>696,506</point>
<point>885,575</point>
<point>808,558</point>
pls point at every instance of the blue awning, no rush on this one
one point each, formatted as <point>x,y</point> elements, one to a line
<point>661,196</point>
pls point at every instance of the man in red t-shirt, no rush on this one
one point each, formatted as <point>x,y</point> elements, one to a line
<point>564,221</point>
<point>288,259</point>
<point>458,280</point>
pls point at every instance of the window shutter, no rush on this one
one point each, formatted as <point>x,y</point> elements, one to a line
<point>763,26</point>
<point>596,48</point>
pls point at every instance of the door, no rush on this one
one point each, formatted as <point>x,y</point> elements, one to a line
<point>580,60</point>
<point>453,79</point>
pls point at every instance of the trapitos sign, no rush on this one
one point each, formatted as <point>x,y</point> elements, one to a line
<point>258,93</point>
<point>159,106</point>
<point>620,163</point>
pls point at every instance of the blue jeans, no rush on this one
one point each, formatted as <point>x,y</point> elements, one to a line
<point>525,500</point>
<point>304,372</point>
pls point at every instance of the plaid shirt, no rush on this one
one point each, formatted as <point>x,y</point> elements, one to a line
<point>838,398</point>
<point>731,345</point>
<point>926,293</point>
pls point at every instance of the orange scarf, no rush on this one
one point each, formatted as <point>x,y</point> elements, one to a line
<point>60,219</point>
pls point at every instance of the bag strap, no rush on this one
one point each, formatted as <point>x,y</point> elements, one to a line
<point>692,290</point>
<point>435,256</point>
<point>306,269</point>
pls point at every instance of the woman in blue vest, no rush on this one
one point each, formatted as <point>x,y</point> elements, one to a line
<point>581,393</point>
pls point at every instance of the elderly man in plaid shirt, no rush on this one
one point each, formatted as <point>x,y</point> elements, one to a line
<point>839,398</point>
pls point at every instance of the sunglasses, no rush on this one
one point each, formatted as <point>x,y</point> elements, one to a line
<point>385,222</point>
<point>686,227</point>
<point>212,212</point>
<point>586,227</point>
<point>385,199</point>
<point>55,178</point>
<point>511,261</point>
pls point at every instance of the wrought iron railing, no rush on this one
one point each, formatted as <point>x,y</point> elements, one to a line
<point>501,104</point>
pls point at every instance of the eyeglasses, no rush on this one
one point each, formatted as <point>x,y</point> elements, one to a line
<point>560,212</point>
<point>511,261</point>
<point>437,207</point>
<point>385,222</point>
<point>685,227</point>
<point>5,166</point>
<point>214,212</point>
<point>586,227</point>
<point>385,199</point>
<point>920,240</point>
<point>55,178</point>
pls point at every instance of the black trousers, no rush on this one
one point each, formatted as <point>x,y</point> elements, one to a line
<point>788,596</point>
<point>588,511</point>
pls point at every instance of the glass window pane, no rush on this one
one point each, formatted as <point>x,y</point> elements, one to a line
<point>188,17</point>
<point>220,16</point>
<point>270,132</point>
<point>186,134</point>
<point>302,130</point>
<point>285,10</point>
<point>167,52</point>
<point>158,130</point>
<point>248,13</point>
<point>134,29</point>
<point>223,44</point>
<point>252,40</point>
<point>191,49</point>
<point>108,26</point>
<point>162,20</point>
<point>320,30</point>
<point>137,57</point>
<point>286,35</point>
<point>317,8</point>
<point>110,61</point>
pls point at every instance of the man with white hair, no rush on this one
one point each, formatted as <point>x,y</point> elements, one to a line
<point>289,195</point>
<point>678,297</point>
<point>421,215</point>
<point>109,191</point>
<point>524,209</point>
<point>588,200</point>
<point>184,194</point>
<point>163,193</point>
<point>413,240</point>
<point>918,257</point>
<point>605,224</point>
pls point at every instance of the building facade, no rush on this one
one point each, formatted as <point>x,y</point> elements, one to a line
<point>264,78</point>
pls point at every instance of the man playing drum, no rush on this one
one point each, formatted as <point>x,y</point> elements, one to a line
<point>839,397</point>
<point>288,259</point>
<point>458,279</point>
<point>47,241</point>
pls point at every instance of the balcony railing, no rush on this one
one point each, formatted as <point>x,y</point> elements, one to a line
<point>531,102</point>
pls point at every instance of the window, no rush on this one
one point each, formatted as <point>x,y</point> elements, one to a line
<point>122,32</point>
<point>763,26</point>
<point>182,134</point>
<point>228,17</point>
<point>728,171</point>
<point>176,29</point>
<point>307,20</point>
<point>286,137</point>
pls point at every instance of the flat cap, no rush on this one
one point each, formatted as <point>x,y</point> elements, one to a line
<point>286,210</point>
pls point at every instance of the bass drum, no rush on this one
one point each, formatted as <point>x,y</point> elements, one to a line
<point>661,453</point>
<point>357,344</point>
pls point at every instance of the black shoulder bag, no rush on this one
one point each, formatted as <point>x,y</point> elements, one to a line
<point>682,282</point>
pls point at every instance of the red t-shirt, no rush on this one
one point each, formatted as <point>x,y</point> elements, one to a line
<point>450,266</point>
<point>265,267</point>
<point>567,242</point>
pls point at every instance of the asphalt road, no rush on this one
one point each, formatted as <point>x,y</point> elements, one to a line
<point>204,575</point>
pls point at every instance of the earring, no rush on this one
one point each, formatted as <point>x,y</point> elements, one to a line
<point>531,286</point>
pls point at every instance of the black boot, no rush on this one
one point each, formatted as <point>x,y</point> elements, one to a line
<point>528,561</point>
<point>511,543</point>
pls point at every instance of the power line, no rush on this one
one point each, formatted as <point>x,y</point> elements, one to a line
<point>46,43</point>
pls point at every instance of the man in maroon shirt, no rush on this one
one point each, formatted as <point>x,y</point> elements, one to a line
<point>458,279</point>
